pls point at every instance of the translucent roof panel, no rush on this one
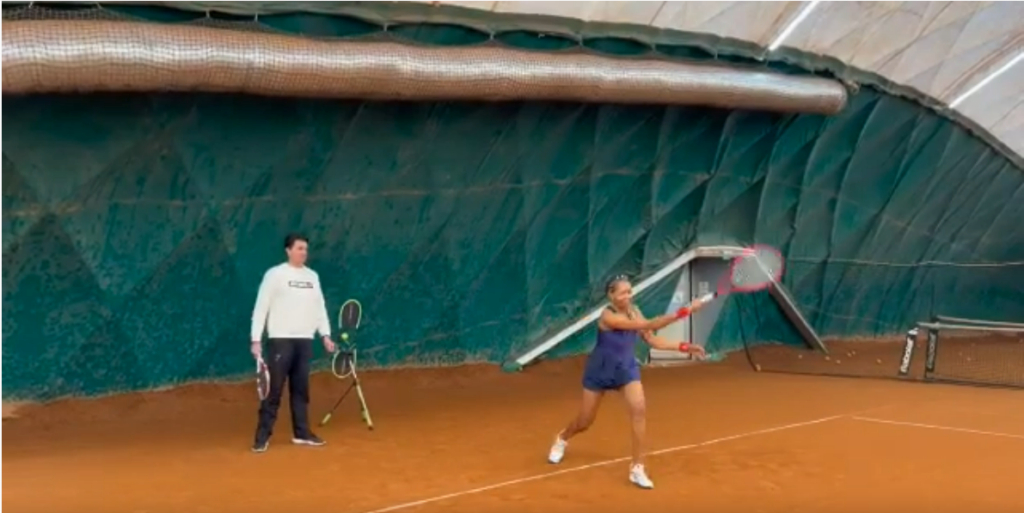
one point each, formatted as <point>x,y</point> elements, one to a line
<point>942,49</point>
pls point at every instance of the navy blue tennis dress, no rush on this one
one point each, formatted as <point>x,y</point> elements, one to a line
<point>612,364</point>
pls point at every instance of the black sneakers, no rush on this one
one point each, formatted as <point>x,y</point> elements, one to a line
<point>311,440</point>
<point>260,446</point>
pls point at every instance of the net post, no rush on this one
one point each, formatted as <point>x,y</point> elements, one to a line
<point>931,351</point>
<point>908,351</point>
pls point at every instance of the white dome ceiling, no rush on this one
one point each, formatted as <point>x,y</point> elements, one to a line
<point>943,49</point>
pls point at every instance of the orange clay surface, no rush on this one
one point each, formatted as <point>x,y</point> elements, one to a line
<point>724,439</point>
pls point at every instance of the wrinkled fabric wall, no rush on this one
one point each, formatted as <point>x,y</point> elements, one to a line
<point>136,228</point>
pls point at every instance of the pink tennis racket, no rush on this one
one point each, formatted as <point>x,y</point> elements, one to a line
<point>756,269</point>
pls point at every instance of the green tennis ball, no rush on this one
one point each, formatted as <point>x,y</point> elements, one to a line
<point>344,336</point>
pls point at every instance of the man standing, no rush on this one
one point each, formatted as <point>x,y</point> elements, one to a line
<point>290,304</point>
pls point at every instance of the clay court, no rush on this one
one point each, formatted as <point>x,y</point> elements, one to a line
<point>723,438</point>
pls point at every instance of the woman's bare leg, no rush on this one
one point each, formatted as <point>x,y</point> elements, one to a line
<point>579,424</point>
<point>634,394</point>
<point>588,412</point>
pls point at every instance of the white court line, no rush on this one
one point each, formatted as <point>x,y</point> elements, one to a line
<point>942,428</point>
<point>597,464</point>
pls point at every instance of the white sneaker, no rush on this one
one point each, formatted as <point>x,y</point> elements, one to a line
<point>311,440</point>
<point>638,476</point>
<point>557,450</point>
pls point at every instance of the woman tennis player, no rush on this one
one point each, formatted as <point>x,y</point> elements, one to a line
<point>613,366</point>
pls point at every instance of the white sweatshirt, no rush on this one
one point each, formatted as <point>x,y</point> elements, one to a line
<point>290,304</point>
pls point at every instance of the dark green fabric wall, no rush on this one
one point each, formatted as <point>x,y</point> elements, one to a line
<point>136,227</point>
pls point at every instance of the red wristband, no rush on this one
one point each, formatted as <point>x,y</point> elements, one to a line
<point>684,347</point>
<point>683,312</point>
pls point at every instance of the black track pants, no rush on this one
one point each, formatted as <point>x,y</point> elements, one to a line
<point>289,360</point>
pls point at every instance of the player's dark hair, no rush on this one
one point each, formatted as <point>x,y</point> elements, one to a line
<point>292,238</point>
<point>615,280</point>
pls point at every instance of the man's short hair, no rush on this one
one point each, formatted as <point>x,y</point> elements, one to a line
<point>292,238</point>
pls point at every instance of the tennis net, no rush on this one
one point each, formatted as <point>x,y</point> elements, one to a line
<point>974,352</point>
<point>854,358</point>
<point>947,349</point>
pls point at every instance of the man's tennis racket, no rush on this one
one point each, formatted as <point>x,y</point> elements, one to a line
<point>262,379</point>
<point>344,359</point>
<point>756,269</point>
<point>343,363</point>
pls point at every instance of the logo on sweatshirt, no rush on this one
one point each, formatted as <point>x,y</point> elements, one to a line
<point>296,284</point>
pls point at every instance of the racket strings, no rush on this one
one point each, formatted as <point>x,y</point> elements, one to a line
<point>343,364</point>
<point>760,268</point>
<point>262,380</point>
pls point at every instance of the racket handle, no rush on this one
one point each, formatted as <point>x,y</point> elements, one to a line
<point>707,297</point>
<point>327,418</point>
